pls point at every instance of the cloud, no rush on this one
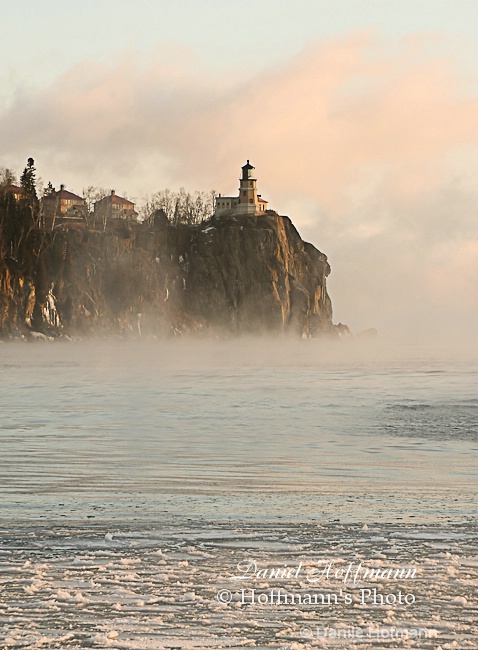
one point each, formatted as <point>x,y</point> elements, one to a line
<point>371,148</point>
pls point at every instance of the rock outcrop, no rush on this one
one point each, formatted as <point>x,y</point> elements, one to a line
<point>230,275</point>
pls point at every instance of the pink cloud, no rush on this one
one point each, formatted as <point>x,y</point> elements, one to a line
<point>373,147</point>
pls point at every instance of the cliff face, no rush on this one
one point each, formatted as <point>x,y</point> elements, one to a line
<point>236,275</point>
<point>256,274</point>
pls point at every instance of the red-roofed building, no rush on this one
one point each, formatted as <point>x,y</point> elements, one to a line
<point>113,207</point>
<point>15,191</point>
<point>62,206</point>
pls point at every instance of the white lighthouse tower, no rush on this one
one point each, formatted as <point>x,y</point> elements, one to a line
<point>248,202</point>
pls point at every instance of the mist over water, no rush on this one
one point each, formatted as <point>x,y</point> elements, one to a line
<point>135,477</point>
<point>97,421</point>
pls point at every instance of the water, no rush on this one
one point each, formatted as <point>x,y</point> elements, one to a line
<point>134,478</point>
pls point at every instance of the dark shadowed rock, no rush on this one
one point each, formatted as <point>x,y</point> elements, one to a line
<point>230,275</point>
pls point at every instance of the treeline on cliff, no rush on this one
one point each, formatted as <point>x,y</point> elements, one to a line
<point>179,207</point>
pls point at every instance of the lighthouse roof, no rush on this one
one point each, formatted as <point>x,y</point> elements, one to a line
<point>248,166</point>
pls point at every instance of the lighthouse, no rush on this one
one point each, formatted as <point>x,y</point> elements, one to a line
<point>248,201</point>
<point>248,190</point>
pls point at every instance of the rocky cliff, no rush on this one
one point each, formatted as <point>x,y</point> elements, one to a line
<point>234,275</point>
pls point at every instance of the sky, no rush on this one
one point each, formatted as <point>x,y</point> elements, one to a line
<point>360,116</point>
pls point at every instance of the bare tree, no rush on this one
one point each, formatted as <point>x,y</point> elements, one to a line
<point>91,194</point>
<point>7,177</point>
<point>181,206</point>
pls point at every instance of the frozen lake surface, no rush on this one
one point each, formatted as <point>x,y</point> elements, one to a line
<point>135,477</point>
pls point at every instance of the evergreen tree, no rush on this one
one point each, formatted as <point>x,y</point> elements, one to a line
<point>28,180</point>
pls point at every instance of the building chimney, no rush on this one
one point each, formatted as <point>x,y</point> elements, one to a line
<point>62,187</point>
<point>112,192</point>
